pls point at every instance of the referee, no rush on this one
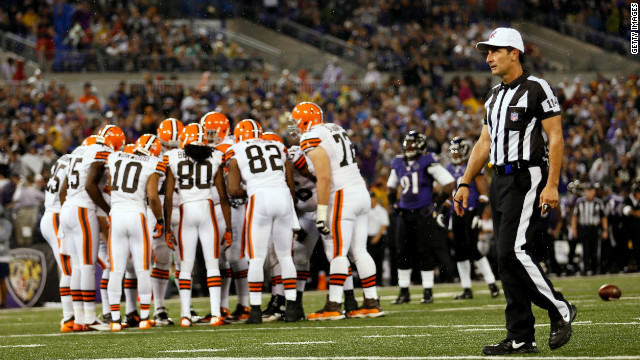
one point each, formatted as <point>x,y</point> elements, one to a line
<point>588,219</point>
<point>519,112</point>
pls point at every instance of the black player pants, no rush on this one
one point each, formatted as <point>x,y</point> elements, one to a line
<point>465,238</point>
<point>420,240</point>
<point>514,203</point>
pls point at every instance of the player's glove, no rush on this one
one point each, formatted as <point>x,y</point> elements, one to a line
<point>236,202</point>
<point>299,235</point>
<point>158,231</point>
<point>227,238</point>
<point>476,223</point>
<point>321,219</point>
<point>170,239</point>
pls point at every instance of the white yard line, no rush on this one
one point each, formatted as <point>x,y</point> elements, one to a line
<point>191,350</point>
<point>21,346</point>
<point>394,336</point>
<point>242,328</point>
<point>300,343</point>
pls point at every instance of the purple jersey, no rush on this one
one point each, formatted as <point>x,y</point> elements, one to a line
<point>457,171</point>
<point>415,180</point>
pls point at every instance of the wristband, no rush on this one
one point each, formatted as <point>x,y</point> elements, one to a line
<point>321,213</point>
<point>160,222</point>
<point>463,185</point>
<point>483,198</point>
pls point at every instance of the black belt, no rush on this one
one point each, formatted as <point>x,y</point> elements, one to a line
<point>515,166</point>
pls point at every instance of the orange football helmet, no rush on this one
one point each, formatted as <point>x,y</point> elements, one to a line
<point>113,136</point>
<point>304,116</point>
<point>149,145</point>
<point>272,136</point>
<point>169,132</point>
<point>193,134</point>
<point>91,140</point>
<point>128,148</point>
<point>217,126</point>
<point>247,129</point>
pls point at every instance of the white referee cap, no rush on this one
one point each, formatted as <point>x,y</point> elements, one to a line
<point>503,37</point>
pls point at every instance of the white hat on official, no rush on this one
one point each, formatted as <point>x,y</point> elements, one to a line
<point>503,37</point>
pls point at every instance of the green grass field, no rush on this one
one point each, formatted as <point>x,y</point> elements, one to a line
<point>445,329</point>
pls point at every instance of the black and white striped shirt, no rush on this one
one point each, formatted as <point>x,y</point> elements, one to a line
<point>589,213</point>
<point>514,114</point>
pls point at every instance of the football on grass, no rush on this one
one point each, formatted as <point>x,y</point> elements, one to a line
<point>609,292</point>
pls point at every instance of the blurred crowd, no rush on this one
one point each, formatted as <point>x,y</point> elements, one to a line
<point>119,36</point>
<point>41,120</point>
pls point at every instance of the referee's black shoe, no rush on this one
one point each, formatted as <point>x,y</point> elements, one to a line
<point>427,296</point>
<point>561,330</point>
<point>508,346</point>
<point>403,298</point>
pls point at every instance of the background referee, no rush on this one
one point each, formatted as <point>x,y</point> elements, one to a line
<point>519,112</point>
<point>588,219</point>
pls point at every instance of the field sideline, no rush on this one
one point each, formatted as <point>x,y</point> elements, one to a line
<point>446,329</point>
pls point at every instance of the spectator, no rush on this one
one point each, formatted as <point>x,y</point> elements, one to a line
<point>8,69</point>
<point>88,97</point>
<point>373,78</point>
<point>26,200</point>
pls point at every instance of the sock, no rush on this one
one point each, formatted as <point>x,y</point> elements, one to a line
<point>104,294</point>
<point>404,278</point>
<point>338,272</point>
<point>144,289</point>
<point>159,283</point>
<point>227,276</point>
<point>464,270</point>
<point>367,271</point>
<point>88,287</point>
<point>299,296</point>
<point>303,276</point>
<point>427,279</point>
<point>115,294</point>
<point>214,282</point>
<point>256,279</point>
<point>130,293</point>
<point>76,295</point>
<point>185,297</point>
<point>485,269</point>
<point>240,273</point>
<point>65,297</point>
<point>348,283</point>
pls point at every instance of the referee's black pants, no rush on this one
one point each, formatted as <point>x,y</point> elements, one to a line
<point>588,236</point>
<point>420,240</point>
<point>514,203</point>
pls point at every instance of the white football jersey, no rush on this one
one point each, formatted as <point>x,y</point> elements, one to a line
<point>223,147</point>
<point>341,152</point>
<point>80,161</point>
<point>129,175</point>
<point>176,193</point>
<point>193,180</point>
<point>261,163</point>
<point>57,177</point>
<point>306,193</point>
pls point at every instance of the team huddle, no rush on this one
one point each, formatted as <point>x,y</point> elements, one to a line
<point>251,203</point>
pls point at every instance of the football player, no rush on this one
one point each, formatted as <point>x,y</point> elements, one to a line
<point>168,134</point>
<point>466,228</point>
<point>79,221</point>
<point>49,225</point>
<point>233,263</point>
<point>195,169</point>
<point>342,210</point>
<point>133,181</point>
<point>269,186</point>
<point>420,230</point>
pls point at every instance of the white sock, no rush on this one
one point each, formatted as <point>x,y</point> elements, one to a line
<point>464,270</point>
<point>115,293</point>
<point>144,289</point>
<point>224,291</point>
<point>485,269</point>
<point>427,279</point>
<point>340,267</point>
<point>66,300</point>
<point>404,278</point>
